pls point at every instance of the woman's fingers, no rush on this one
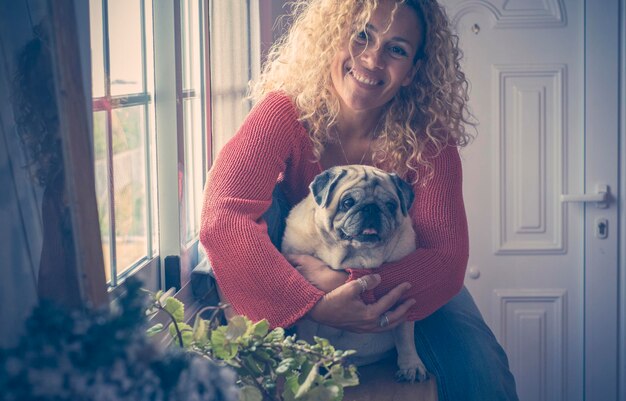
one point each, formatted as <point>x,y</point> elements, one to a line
<point>395,316</point>
<point>387,318</point>
<point>362,284</point>
<point>343,308</point>
<point>391,298</point>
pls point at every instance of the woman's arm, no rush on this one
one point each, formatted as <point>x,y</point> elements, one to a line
<point>256,279</point>
<point>436,269</point>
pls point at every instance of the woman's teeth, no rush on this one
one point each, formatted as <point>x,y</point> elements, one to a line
<point>363,79</point>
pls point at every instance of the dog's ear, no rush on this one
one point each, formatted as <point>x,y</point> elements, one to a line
<point>324,184</point>
<point>405,193</point>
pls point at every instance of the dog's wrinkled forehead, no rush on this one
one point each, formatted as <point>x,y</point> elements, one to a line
<point>363,191</point>
<point>365,178</point>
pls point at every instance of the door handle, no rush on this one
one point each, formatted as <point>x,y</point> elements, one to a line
<point>600,197</point>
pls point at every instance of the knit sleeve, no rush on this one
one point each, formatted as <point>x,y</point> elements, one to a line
<point>436,269</point>
<point>255,278</point>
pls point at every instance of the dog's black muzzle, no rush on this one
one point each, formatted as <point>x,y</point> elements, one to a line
<point>364,225</point>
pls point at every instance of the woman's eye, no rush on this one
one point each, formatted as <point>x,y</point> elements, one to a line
<point>361,37</point>
<point>397,51</point>
<point>347,203</point>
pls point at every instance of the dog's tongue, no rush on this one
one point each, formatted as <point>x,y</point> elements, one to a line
<point>370,231</point>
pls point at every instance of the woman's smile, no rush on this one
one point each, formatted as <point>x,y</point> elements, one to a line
<point>363,78</point>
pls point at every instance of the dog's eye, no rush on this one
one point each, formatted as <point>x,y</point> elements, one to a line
<point>347,203</point>
<point>392,206</point>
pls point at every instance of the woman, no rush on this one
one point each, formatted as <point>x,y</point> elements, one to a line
<point>370,82</point>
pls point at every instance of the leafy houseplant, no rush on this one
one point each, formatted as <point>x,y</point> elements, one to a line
<point>270,365</point>
<point>102,355</point>
<point>96,355</point>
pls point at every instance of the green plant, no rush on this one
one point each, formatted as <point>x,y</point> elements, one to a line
<point>271,365</point>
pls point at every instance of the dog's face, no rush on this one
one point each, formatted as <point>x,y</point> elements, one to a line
<point>361,205</point>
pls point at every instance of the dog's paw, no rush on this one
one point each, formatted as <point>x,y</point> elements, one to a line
<point>412,374</point>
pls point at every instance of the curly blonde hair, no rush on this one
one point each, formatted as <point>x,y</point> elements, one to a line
<point>431,111</point>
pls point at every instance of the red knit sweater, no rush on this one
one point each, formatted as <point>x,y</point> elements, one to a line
<point>273,146</point>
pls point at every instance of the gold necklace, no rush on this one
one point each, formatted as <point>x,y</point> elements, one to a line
<point>369,146</point>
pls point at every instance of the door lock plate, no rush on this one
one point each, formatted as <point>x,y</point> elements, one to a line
<point>601,228</point>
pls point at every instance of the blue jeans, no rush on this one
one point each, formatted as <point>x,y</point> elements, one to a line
<point>455,343</point>
<point>456,346</point>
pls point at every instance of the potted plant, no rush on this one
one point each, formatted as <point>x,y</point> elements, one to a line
<point>271,366</point>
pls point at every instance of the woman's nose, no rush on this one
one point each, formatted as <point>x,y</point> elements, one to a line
<point>372,57</point>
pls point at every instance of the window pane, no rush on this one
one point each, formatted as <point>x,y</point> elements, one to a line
<point>102,189</point>
<point>192,61</point>
<point>125,47</point>
<point>230,68</point>
<point>194,166</point>
<point>129,169</point>
<point>125,182</point>
<point>149,46</point>
<point>97,57</point>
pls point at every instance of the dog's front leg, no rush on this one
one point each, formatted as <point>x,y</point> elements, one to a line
<point>410,365</point>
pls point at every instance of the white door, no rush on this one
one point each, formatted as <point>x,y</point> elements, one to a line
<point>543,79</point>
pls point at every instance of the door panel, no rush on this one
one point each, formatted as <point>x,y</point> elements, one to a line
<point>530,86</point>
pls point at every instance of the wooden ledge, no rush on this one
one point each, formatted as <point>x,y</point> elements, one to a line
<point>378,384</point>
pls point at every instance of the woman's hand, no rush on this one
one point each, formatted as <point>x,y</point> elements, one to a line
<point>344,309</point>
<point>317,272</point>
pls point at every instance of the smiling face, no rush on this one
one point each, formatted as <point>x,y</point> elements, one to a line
<point>380,61</point>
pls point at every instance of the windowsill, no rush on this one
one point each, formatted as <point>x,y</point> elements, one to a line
<point>147,272</point>
<point>192,306</point>
<point>198,290</point>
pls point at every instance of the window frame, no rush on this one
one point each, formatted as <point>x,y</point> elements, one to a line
<point>73,104</point>
<point>169,81</point>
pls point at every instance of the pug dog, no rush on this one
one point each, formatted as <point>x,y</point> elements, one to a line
<point>357,217</point>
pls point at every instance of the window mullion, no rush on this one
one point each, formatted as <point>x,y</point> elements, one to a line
<point>207,116</point>
<point>168,111</point>
<point>202,15</point>
<point>106,55</point>
<point>112,102</point>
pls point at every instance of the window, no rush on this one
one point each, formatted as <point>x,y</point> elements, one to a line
<point>169,81</point>
<point>123,132</point>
